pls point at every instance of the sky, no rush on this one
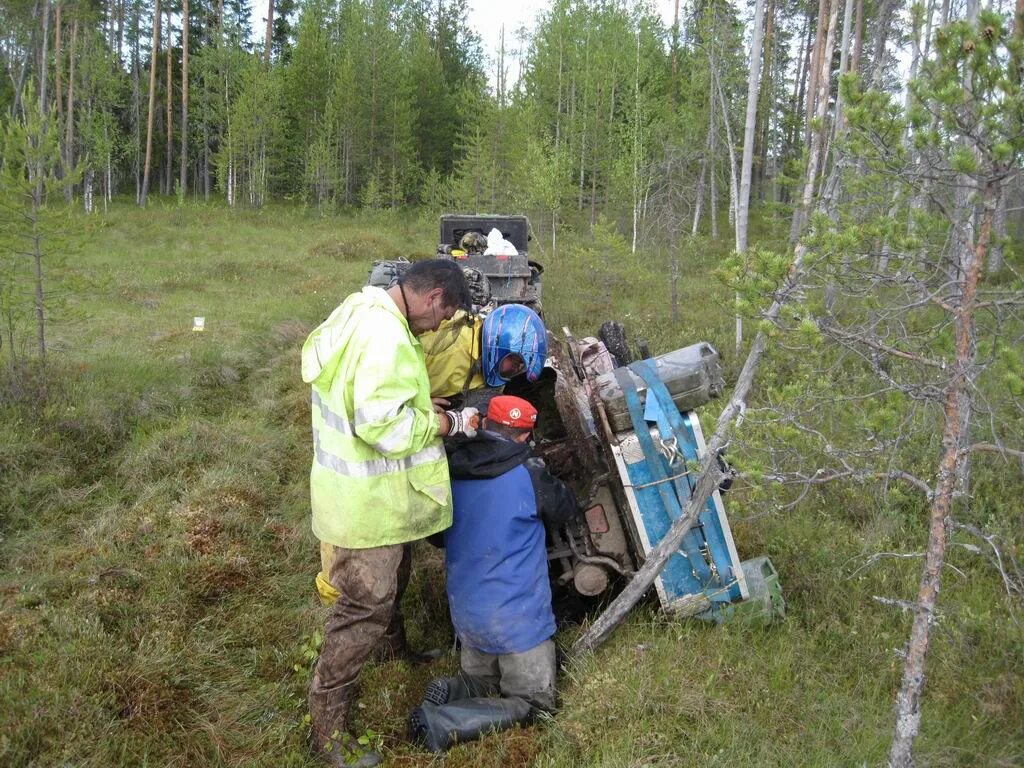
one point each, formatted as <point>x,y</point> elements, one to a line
<point>487,17</point>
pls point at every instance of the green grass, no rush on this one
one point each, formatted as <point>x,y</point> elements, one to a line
<point>156,562</point>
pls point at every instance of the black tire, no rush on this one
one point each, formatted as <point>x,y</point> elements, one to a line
<point>613,334</point>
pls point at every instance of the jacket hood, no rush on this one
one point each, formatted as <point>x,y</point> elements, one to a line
<point>485,456</point>
<point>323,347</point>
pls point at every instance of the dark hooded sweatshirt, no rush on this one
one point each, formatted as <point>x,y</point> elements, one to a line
<point>498,587</point>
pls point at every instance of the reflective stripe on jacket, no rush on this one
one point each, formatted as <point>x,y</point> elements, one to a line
<point>379,473</point>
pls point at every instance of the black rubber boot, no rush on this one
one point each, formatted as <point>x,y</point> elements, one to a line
<point>438,728</point>
<point>441,690</point>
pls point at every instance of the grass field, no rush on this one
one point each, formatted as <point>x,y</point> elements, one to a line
<point>156,562</point>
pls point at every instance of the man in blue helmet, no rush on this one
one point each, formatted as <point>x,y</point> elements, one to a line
<point>470,359</point>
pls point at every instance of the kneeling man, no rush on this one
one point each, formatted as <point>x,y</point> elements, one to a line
<point>498,587</point>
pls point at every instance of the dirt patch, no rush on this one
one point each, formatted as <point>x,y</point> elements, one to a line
<point>223,578</point>
<point>1001,697</point>
<point>201,536</point>
<point>289,333</point>
<point>149,703</point>
<point>281,535</point>
<point>6,632</point>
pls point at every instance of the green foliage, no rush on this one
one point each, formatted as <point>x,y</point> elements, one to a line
<point>30,175</point>
<point>753,276</point>
<point>156,561</point>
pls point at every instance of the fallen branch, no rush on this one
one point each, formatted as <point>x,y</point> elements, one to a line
<point>903,605</point>
<point>1014,584</point>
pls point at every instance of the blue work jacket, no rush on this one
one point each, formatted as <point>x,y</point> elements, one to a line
<point>496,558</point>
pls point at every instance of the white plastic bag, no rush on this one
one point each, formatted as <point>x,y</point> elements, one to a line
<point>498,245</point>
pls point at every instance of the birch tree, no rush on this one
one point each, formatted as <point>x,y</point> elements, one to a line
<point>743,202</point>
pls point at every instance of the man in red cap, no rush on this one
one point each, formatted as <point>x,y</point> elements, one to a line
<point>497,581</point>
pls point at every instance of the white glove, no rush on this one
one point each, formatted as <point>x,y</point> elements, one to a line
<point>464,422</point>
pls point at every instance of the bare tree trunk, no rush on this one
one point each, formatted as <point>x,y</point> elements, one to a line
<point>699,199</point>
<point>796,103</point>
<point>637,145</point>
<point>733,181</point>
<point>764,112</point>
<point>712,145</point>
<point>269,41</point>
<point>58,65</point>
<point>136,103</point>
<point>206,162</point>
<point>69,125</point>
<point>183,180</point>
<point>830,190</point>
<point>800,214</point>
<point>37,261</point>
<point>885,14</point>
<point>675,55</point>
<point>37,196</point>
<point>674,280</point>
<point>743,205</point>
<point>858,38</point>
<point>558,108</point>
<point>844,65</point>
<point>152,103</point>
<point>169,152</point>
<point>812,88</point>
<point>957,417</point>
<point>995,262</point>
<point>44,68</point>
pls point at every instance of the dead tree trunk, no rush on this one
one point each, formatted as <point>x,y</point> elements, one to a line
<point>699,200</point>
<point>269,41</point>
<point>152,104</point>
<point>957,415</point>
<point>858,37</point>
<point>995,262</point>
<point>743,204</point>
<point>802,211</point>
<point>183,180</point>
<point>733,180</point>
<point>885,14</point>
<point>58,64</point>
<point>812,88</point>
<point>169,152</point>
<point>69,126</point>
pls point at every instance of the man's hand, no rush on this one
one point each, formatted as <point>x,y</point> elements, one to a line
<point>464,422</point>
<point>440,403</point>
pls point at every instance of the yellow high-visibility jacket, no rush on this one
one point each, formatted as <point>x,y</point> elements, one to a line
<point>379,474</point>
<point>454,363</point>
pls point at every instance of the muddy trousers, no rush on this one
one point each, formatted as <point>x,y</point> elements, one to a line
<point>371,583</point>
<point>492,693</point>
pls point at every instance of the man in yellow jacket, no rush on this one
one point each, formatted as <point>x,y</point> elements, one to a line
<point>379,478</point>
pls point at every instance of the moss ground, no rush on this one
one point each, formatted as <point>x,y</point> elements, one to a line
<point>156,560</point>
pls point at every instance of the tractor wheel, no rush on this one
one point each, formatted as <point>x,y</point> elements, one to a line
<point>613,334</point>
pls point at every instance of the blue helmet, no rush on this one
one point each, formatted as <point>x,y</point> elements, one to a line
<point>513,329</point>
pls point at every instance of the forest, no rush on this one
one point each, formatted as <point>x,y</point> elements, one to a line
<point>829,192</point>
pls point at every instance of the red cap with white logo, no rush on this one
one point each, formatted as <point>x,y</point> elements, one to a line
<point>512,412</point>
